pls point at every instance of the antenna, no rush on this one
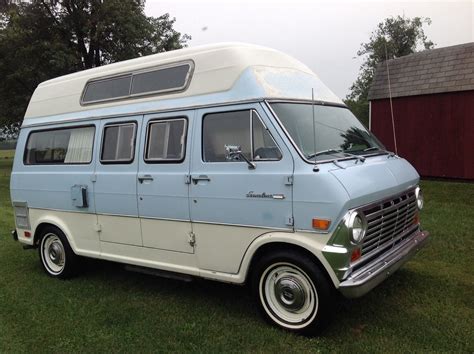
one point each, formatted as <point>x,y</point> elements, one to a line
<point>315,168</point>
<point>390,97</point>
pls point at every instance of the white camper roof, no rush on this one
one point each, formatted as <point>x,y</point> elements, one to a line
<point>221,73</point>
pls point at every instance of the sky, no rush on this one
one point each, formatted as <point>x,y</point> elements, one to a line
<point>325,35</point>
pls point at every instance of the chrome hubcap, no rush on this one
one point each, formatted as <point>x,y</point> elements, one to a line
<point>290,293</point>
<point>53,254</point>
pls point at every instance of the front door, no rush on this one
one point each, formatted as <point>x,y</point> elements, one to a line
<point>163,191</point>
<point>234,201</point>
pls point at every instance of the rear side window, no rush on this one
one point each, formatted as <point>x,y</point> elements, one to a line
<point>237,128</point>
<point>166,140</point>
<point>118,143</point>
<point>60,146</point>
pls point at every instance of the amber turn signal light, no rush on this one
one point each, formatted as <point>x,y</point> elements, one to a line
<point>416,219</point>
<point>321,224</point>
<point>355,254</point>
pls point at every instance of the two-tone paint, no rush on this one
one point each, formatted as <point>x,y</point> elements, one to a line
<point>195,217</point>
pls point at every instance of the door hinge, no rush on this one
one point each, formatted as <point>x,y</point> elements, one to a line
<point>93,177</point>
<point>289,180</point>
<point>187,179</point>
<point>192,239</point>
<point>290,221</point>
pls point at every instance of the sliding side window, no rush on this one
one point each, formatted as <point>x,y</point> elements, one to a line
<point>166,140</point>
<point>118,143</point>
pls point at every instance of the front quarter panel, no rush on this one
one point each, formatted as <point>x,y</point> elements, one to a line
<point>312,242</point>
<point>317,195</point>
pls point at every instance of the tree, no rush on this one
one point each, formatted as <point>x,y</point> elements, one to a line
<point>43,39</point>
<point>393,38</point>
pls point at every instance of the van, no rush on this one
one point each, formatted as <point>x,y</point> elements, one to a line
<point>229,162</point>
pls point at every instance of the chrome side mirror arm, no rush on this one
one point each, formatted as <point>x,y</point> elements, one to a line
<point>233,151</point>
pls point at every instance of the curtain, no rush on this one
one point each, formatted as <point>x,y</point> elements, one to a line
<point>79,149</point>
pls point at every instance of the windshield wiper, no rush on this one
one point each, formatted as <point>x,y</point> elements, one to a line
<point>323,152</point>
<point>373,148</point>
<point>336,151</point>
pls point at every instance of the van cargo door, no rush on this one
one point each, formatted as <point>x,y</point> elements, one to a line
<point>163,194</point>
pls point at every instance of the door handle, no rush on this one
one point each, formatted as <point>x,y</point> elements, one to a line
<point>196,179</point>
<point>145,178</point>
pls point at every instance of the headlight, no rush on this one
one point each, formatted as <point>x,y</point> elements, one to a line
<point>357,225</point>
<point>419,198</point>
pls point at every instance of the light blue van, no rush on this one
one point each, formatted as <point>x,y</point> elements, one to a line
<point>229,162</point>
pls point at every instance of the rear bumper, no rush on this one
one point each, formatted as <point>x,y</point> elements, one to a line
<point>367,278</point>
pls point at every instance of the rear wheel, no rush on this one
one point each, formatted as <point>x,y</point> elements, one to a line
<point>292,292</point>
<point>56,255</point>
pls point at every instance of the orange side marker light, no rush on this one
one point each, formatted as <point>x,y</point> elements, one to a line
<point>321,224</point>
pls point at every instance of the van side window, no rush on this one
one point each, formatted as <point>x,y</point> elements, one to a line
<point>238,128</point>
<point>60,146</point>
<point>118,143</point>
<point>264,147</point>
<point>166,140</point>
<point>165,79</point>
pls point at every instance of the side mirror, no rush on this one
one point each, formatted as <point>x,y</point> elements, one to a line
<point>234,153</point>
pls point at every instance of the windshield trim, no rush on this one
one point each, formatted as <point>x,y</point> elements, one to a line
<point>317,103</point>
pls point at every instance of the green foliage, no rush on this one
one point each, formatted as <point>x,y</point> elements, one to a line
<point>43,39</point>
<point>393,38</point>
<point>360,109</point>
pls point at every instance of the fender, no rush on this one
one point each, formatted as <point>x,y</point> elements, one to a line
<point>49,218</point>
<point>310,241</point>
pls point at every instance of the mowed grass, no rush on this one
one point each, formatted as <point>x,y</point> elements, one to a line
<point>7,154</point>
<point>6,160</point>
<point>427,306</point>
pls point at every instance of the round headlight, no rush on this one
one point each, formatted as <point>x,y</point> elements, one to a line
<point>419,198</point>
<point>357,225</point>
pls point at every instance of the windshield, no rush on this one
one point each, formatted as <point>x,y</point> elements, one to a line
<point>335,132</point>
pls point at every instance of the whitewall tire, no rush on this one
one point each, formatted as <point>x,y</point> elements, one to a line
<point>56,256</point>
<point>292,292</point>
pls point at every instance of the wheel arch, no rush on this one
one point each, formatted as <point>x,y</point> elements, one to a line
<point>55,222</point>
<point>272,242</point>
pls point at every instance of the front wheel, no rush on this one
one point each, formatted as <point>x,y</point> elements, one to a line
<point>292,292</point>
<point>57,257</point>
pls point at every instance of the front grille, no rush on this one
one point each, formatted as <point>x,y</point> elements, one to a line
<point>389,222</point>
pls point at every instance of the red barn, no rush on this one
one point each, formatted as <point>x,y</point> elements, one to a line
<point>433,110</point>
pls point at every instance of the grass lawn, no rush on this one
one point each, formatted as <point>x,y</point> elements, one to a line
<point>7,154</point>
<point>426,306</point>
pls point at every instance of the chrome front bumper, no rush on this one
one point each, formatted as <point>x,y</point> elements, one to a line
<point>365,279</point>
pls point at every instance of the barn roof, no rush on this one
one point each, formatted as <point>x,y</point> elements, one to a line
<point>439,70</point>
